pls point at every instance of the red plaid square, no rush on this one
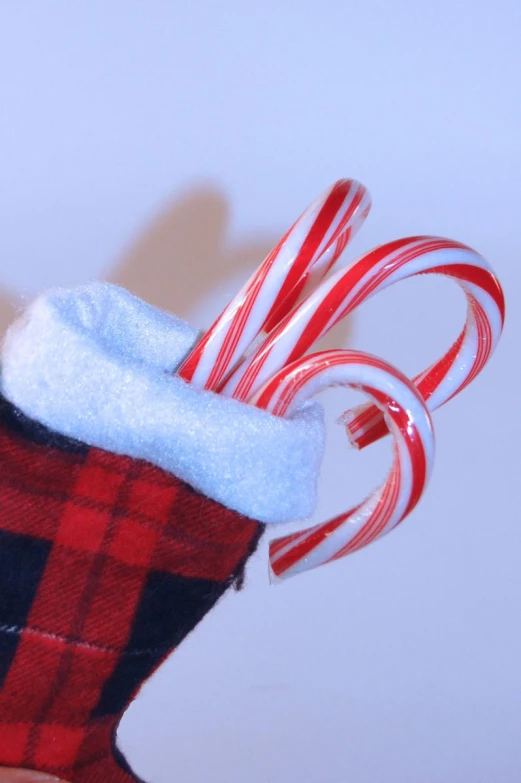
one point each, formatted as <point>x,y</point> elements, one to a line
<point>96,482</point>
<point>83,528</point>
<point>152,497</point>
<point>57,745</point>
<point>133,543</point>
<point>13,743</point>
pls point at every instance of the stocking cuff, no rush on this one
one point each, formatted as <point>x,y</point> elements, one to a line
<point>96,364</point>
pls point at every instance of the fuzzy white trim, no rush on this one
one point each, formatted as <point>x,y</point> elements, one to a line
<point>96,363</point>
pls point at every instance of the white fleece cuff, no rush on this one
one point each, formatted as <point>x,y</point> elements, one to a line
<point>95,364</point>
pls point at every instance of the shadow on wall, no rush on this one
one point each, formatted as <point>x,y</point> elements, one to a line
<point>182,256</point>
<point>7,310</point>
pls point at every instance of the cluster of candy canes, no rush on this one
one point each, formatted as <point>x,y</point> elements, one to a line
<point>255,352</point>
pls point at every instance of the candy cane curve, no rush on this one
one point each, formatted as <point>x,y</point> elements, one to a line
<point>306,253</point>
<point>410,424</point>
<point>347,289</point>
<point>458,367</point>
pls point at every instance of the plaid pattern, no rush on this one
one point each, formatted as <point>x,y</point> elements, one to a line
<point>106,564</point>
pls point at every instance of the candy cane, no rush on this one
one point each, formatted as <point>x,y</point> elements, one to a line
<point>303,256</point>
<point>409,422</point>
<point>346,289</point>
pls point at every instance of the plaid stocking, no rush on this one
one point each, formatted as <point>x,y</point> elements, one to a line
<point>106,564</point>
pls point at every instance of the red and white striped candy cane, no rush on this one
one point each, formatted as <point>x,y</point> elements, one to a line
<point>302,257</point>
<point>409,421</point>
<point>346,289</point>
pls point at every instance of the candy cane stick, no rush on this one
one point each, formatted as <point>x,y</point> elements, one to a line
<point>409,422</point>
<point>312,245</point>
<point>346,289</point>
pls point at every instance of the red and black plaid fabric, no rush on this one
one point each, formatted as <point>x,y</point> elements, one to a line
<point>106,564</point>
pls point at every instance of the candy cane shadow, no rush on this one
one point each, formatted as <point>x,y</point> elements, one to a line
<point>185,262</point>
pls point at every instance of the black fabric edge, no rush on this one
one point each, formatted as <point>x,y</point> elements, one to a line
<point>17,422</point>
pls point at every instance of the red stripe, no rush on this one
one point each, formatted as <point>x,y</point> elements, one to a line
<point>371,434</point>
<point>362,419</point>
<point>317,535</point>
<point>381,515</point>
<point>416,451</point>
<point>428,245</point>
<point>296,278</point>
<point>190,364</point>
<point>483,278</point>
<point>335,298</point>
<point>233,335</point>
<point>431,379</point>
<point>342,234</point>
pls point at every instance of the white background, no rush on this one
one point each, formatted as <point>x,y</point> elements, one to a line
<point>167,146</point>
